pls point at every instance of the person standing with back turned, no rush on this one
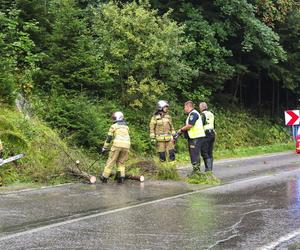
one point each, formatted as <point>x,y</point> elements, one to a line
<point>118,135</point>
<point>208,120</point>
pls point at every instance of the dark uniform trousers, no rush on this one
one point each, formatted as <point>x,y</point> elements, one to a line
<point>207,149</point>
<point>194,151</point>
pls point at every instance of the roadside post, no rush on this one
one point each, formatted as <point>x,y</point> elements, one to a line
<point>292,118</point>
<point>298,143</point>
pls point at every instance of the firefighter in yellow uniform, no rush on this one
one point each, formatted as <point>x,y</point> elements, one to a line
<point>1,151</point>
<point>118,135</point>
<point>162,131</point>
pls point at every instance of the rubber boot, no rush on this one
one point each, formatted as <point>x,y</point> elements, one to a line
<point>162,156</point>
<point>103,179</point>
<point>121,180</point>
<point>208,164</point>
<point>117,176</point>
<point>196,169</point>
<point>172,155</point>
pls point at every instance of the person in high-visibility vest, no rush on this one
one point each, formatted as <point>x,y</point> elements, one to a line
<point>118,135</point>
<point>194,133</point>
<point>208,120</point>
<point>162,132</point>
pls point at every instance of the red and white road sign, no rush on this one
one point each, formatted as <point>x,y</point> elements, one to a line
<point>292,117</point>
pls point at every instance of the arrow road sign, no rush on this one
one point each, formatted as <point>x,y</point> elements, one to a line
<point>292,117</point>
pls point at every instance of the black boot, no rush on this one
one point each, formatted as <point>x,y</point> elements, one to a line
<point>208,164</point>
<point>196,169</point>
<point>117,176</point>
<point>103,179</point>
<point>121,180</point>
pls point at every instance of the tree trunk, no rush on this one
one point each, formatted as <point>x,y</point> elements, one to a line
<point>259,92</point>
<point>278,97</point>
<point>140,178</point>
<point>236,88</point>
<point>273,97</point>
<point>75,170</point>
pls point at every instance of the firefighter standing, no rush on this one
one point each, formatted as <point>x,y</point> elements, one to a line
<point>194,133</point>
<point>209,129</point>
<point>1,151</point>
<point>162,131</point>
<point>118,134</point>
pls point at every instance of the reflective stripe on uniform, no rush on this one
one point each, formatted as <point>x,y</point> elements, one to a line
<point>161,127</point>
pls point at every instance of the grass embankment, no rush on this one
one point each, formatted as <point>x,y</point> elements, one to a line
<point>46,155</point>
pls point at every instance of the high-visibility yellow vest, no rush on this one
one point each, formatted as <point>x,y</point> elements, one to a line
<point>210,120</point>
<point>197,130</point>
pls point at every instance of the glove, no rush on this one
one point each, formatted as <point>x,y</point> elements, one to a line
<point>104,150</point>
<point>175,137</point>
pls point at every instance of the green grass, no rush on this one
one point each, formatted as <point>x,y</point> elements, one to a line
<point>167,171</point>
<point>206,178</point>
<point>183,157</point>
<point>252,151</point>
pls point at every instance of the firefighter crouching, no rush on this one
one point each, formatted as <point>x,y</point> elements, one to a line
<point>162,131</point>
<point>118,134</point>
<point>209,139</point>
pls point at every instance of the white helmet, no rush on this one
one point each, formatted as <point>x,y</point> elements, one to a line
<point>118,116</point>
<point>161,104</point>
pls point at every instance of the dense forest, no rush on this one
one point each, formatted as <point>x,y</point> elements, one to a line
<point>74,62</point>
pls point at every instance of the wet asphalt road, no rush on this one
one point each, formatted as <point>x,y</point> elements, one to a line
<point>256,207</point>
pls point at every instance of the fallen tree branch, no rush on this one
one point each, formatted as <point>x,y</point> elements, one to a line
<point>75,170</point>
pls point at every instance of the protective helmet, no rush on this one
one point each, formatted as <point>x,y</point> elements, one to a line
<point>118,116</point>
<point>161,104</point>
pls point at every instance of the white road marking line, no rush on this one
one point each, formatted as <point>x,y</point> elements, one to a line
<point>38,229</point>
<point>281,240</point>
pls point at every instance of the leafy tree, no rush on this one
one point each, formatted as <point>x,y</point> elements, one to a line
<point>274,11</point>
<point>69,61</point>
<point>140,51</point>
<point>17,60</point>
<point>207,56</point>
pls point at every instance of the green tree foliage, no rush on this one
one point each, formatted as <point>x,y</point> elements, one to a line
<point>139,51</point>
<point>288,73</point>
<point>96,57</point>
<point>273,11</point>
<point>207,56</point>
<point>68,61</point>
<point>17,60</point>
